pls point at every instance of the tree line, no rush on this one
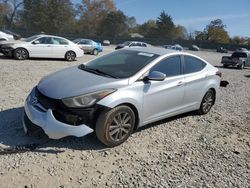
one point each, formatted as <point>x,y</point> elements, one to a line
<point>92,18</point>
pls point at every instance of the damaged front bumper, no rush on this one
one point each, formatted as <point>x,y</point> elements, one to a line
<point>45,119</point>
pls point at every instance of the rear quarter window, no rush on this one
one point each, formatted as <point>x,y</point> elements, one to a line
<point>193,64</point>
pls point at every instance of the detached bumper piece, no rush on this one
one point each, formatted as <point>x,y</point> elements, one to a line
<point>56,120</point>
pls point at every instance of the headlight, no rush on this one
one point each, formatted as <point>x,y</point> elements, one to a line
<point>87,99</point>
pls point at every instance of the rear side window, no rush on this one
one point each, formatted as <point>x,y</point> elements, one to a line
<point>193,64</point>
<point>60,41</point>
<point>239,54</point>
<point>170,66</point>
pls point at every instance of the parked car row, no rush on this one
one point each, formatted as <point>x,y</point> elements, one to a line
<point>48,46</point>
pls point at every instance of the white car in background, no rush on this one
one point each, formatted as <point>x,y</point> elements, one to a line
<point>4,36</point>
<point>42,46</point>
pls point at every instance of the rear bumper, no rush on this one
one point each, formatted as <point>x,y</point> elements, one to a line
<point>231,63</point>
<point>48,123</point>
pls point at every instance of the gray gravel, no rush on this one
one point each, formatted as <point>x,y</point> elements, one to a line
<point>184,151</point>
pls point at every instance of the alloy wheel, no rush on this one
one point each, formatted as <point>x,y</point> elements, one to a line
<point>120,126</point>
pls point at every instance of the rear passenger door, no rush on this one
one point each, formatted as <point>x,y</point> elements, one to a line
<point>60,47</point>
<point>195,81</point>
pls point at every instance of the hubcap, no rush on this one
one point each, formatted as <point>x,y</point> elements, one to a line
<point>21,54</point>
<point>208,101</point>
<point>120,126</point>
<point>70,56</point>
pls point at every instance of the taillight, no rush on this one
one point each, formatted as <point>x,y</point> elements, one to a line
<point>218,73</point>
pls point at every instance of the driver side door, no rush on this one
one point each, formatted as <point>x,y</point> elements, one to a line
<point>164,98</point>
<point>42,48</point>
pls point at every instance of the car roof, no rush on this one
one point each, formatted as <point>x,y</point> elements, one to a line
<point>153,50</point>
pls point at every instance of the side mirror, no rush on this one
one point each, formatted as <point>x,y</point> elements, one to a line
<point>36,42</point>
<point>156,76</point>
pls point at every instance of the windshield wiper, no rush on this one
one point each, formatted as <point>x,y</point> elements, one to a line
<point>96,71</point>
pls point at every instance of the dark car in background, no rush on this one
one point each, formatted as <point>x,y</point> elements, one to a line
<point>221,50</point>
<point>194,48</point>
<point>237,59</point>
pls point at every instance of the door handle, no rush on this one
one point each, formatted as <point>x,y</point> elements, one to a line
<point>180,83</point>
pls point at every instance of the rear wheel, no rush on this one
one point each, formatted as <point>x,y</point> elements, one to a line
<point>241,66</point>
<point>115,126</point>
<point>70,56</point>
<point>20,54</point>
<point>95,52</point>
<point>207,102</point>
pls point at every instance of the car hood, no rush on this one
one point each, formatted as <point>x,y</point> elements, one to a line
<point>73,81</point>
<point>13,42</point>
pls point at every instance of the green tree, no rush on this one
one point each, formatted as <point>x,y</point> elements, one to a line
<point>113,25</point>
<point>52,16</point>
<point>148,29</point>
<point>165,26</point>
<point>216,32</point>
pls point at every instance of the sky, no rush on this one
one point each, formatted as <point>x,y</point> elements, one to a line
<point>193,14</point>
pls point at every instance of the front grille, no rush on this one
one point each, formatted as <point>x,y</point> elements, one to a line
<point>72,116</point>
<point>47,102</point>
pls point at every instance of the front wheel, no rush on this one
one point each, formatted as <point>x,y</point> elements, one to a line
<point>20,54</point>
<point>241,66</point>
<point>114,126</point>
<point>70,56</point>
<point>207,102</point>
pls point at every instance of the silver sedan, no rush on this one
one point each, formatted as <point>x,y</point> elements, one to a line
<point>115,94</point>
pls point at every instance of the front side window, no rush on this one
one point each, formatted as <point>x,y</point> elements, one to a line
<point>122,64</point>
<point>45,40</point>
<point>193,64</point>
<point>170,66</point>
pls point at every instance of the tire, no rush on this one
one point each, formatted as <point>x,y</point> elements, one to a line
<point>241,66</point>
<point>70,56</point>
<point>95,52</point>
<point>114,126</point>
<point>207,102</point>
<point>20,54</point>
<point>225,66</point>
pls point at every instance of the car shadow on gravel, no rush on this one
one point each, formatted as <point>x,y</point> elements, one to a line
<point>4,57</point>
<point>247,76</point>
<point>12,136</point>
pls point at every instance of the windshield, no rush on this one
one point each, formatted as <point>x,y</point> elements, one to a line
<point>239,54</point>
<point>127,43</point>
<point>31,38</point>
<point>122,64</point>
<point>77,40</point>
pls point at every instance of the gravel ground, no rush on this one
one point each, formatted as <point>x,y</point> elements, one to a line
<point>184,151</point>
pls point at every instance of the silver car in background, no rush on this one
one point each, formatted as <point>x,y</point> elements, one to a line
<point>117,93</point>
